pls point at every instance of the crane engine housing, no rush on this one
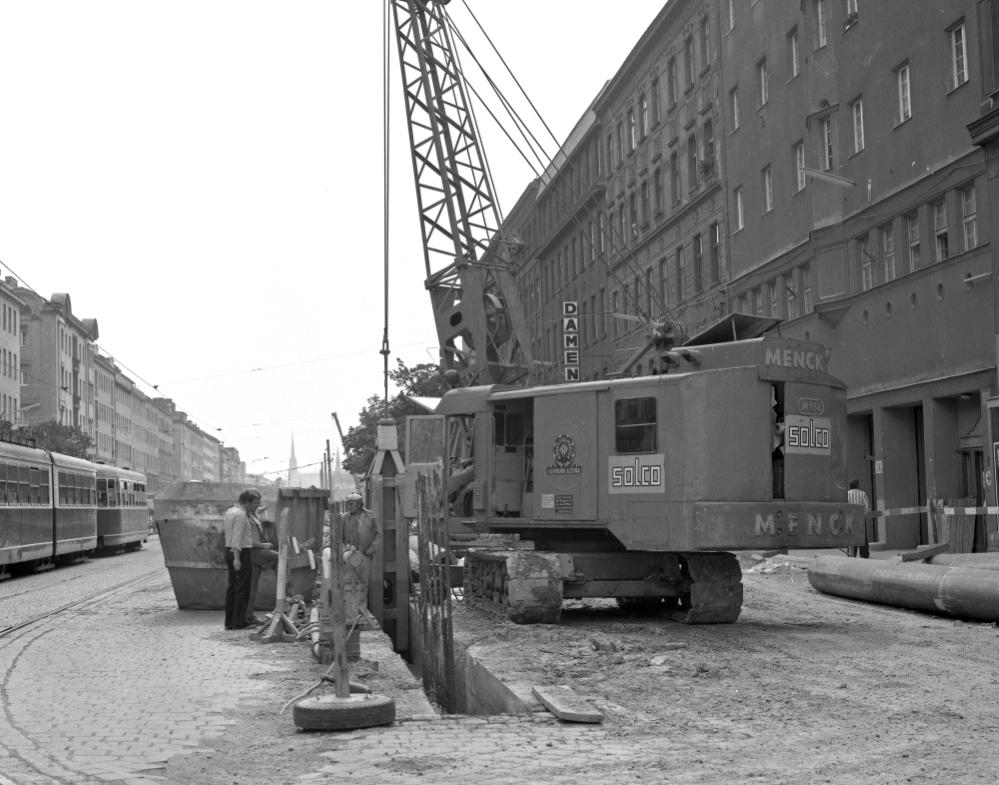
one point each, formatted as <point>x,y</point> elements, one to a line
<point>638,488</point>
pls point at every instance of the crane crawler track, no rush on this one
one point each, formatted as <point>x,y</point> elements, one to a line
<point>526,587</point>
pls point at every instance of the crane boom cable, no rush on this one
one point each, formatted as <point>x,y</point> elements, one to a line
<point>629,258</point>
<point>386,33</point>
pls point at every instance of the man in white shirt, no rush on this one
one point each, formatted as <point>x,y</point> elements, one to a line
<point>238,546</point>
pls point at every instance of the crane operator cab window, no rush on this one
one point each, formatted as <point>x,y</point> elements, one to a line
<point>635,425</point>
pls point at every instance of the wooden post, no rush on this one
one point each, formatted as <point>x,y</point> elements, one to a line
<point>341,670</point>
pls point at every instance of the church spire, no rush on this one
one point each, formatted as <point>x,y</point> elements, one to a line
<point>292,464</point>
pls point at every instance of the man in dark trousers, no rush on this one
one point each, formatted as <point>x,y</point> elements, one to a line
<point>238,546</point>
<point>856,496</point>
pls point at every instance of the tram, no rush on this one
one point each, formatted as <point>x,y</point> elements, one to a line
<point>122,511</point>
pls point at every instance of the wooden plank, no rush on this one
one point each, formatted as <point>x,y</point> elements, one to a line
<point>567,705</point>
<point>926,552</point>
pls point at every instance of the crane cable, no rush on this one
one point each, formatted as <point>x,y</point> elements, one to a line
<point>385,188</point>
<point>629,257</point>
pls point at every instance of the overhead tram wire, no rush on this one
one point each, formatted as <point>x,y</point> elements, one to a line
<point>628,255</point>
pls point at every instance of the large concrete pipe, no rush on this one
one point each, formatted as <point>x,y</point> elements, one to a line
<point>974,561</point>
<point>955,591</point>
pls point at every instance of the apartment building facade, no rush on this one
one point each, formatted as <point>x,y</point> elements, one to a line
<point>52,369</point>
<point>855,191</point>
<point>810,162</point>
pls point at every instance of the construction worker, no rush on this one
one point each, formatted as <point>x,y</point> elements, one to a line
<point>856,496</point>
<point>361,533</point>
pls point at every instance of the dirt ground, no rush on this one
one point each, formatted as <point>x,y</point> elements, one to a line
<point>804,688</point>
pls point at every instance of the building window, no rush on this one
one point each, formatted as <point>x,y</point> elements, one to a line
<point>858,125</point>
<point>774,299</point>
<point>763,89</point>
<point>593,241</point>
<point>655,101</point>
<point>768,189</point>
<point>631,131</point>
<point>602,233</point>
<point>645,202</point>
<point>633,214</point>
<point>680,293</point>
<point>603,312</point>
<point>792,296</point>
<point>610,152</point>
<point>731,14</point>
<point>958,42</point>
<point>827,145</point>
<point>705,54</point>
<point>904,105</point>
<point>692,162</point>
<point>913,224</point>
<point>698,259</point>
<point>733,99</point>
<point>671,81</point>
<point>806,287</point>
<point>969,212</point>
<point>940,230</point>
<point>714,235</point>
<point>792,41</point>
<point>758,297</point>
<point>888,247</point>
<point>851,7</point>
<point>643,116</point>
<point>799,165</point>
<point>657,185</point>
<point>674,178</point>
<point>614,312</point>
<point>709,149</point>
<point>621,226</point>
<point>620,143</point>
<point>866,262</point>
<point>688,61</point>
<point>820,18</point>
<point>739,218</point>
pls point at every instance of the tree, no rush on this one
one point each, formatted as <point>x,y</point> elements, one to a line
<point>63,439</point>
<point>423,380</point>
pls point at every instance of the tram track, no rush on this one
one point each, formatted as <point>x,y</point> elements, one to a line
<point>104,593</point>
<point>53,584</point>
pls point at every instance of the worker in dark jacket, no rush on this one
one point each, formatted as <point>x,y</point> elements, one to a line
<point>361,533</point>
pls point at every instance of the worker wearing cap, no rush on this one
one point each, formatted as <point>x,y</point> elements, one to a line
<point>361,532</point>
<point>263,556</point>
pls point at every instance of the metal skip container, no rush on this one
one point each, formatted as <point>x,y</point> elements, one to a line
<point>189,518</point>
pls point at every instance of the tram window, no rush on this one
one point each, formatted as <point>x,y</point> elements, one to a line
<point>112,493</point>
<point>93,490</point>
<point>35,493</point>
<point>3,483</point>
<point>22,485</point>
<point>45,488</point>
<point>62,488</point>
<point>102,492</point>
<point>635,425</point>
<point>12,484</point>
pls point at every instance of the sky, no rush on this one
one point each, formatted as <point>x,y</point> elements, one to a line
<point>206,180</point>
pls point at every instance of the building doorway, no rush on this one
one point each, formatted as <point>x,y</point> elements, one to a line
<point>972,487</point>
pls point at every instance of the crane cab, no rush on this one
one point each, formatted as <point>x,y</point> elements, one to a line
<point>740,445</point>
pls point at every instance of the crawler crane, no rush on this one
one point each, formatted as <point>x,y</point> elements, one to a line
<point>633,488</point>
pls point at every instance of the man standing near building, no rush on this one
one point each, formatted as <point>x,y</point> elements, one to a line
<point>263,556</point>
<point>238,547</point>
<point>857,496</point>
<point>361,532</point>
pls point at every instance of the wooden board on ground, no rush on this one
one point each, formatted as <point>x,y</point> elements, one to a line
<point>927,552</point>
<point>567,705</point>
